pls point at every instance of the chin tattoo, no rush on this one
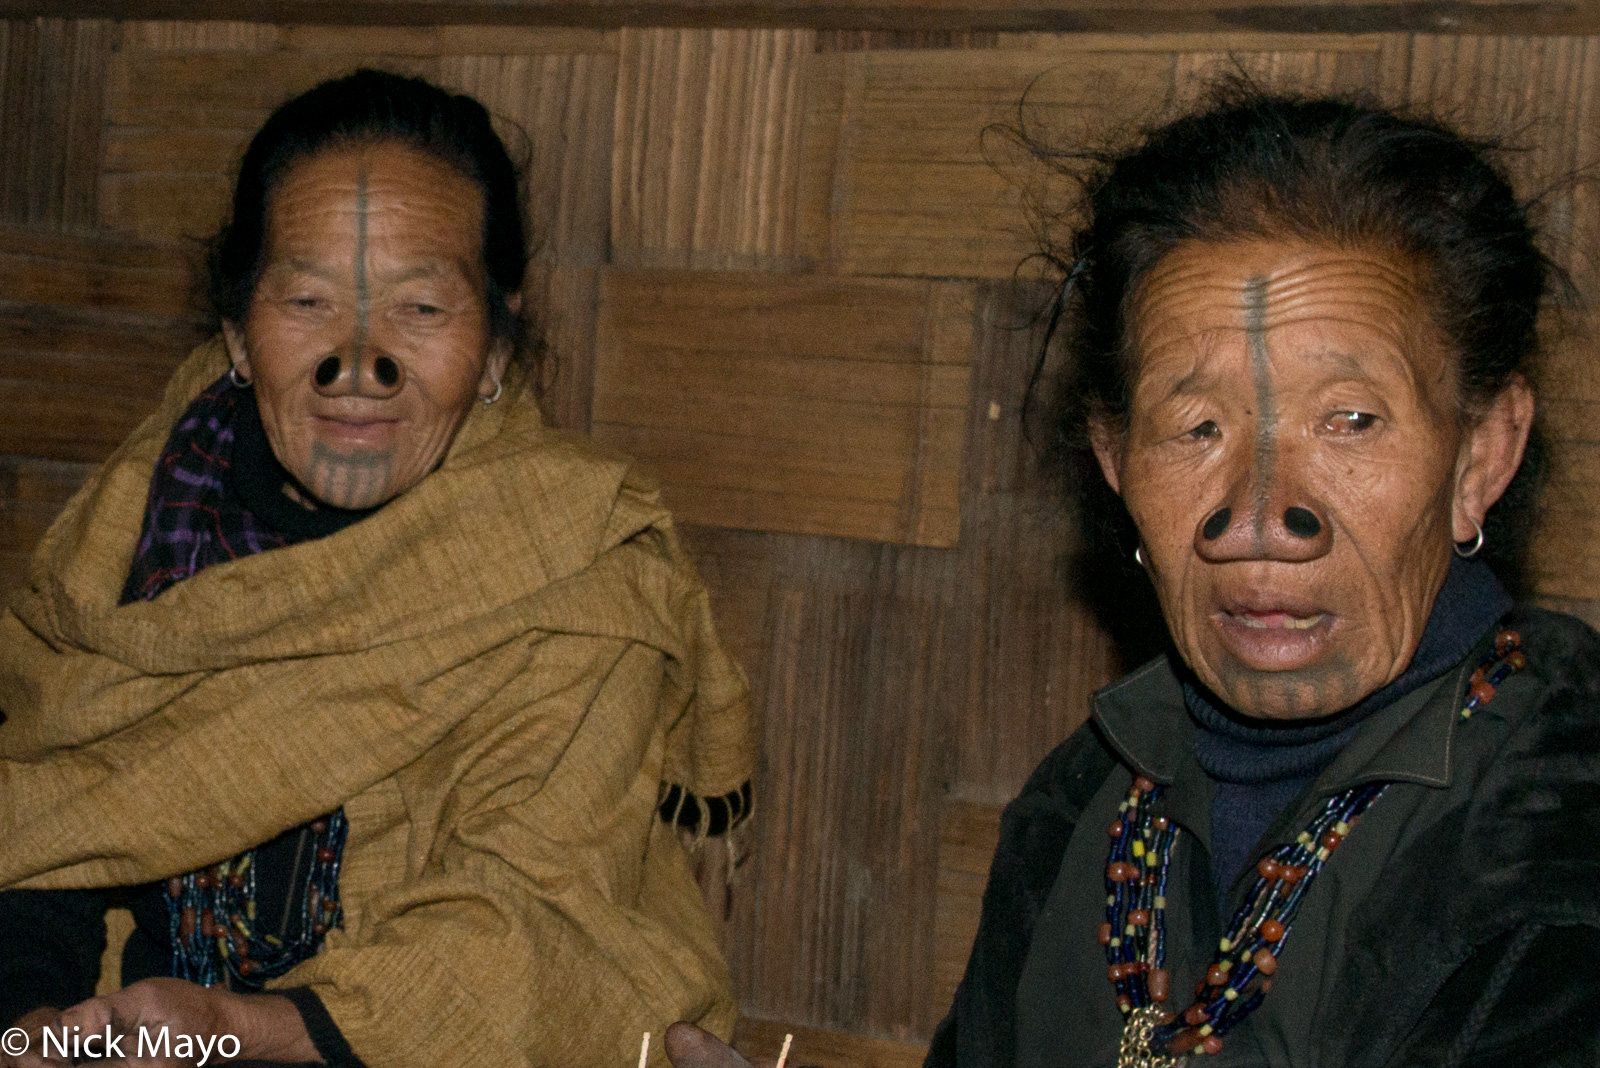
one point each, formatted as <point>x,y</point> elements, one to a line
<point>358,479</point>
<point>1319,690</point>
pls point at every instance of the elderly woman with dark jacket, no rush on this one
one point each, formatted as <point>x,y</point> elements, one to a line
<point>1352,817</point>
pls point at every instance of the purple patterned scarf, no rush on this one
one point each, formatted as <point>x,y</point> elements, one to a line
<point>194,518</point>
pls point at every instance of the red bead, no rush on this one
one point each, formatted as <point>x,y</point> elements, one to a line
<point>1272,930</point>
<point>208,925</point>
<point>1115,830</point>
<point>1517,661</point>
<point>1211,1044</point>
<point>1139,917</point>
<point>1143,785</point>
<point>1266,985</point>
<point>1216,975</point>
<point>1162,823</point>
<point>1184,1041</point>
<point>186,923</point>
<point>319,928</point>
<point>236,881</point>
<point>1264,961</point>
<point>1269,868</point>
<point>1292,873</point>
<point>1115,973</point>
<point>1105,934</point>
<point>319,826</point>
<point>1121,871</point>
<point>246,967</point>
<point>1506,640</point>
<point>325,855</point>
<point>1124,1002</point>
<point>1481,692</point>
<point>1159,983</point>
<point>175,886</point>
<point>204,880</point>
<point>1331,840</point>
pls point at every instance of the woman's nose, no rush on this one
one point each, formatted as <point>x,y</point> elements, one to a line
<point>367,372</point>
<point>1280,526</point>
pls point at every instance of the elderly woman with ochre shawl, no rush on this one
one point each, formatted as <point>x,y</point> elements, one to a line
<point>1352,817</point>
<point>362,689</point>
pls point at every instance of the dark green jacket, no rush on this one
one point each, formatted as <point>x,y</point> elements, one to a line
<point>1459,923</point>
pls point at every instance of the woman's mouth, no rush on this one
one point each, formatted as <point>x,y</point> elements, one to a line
<point>1275,637</point>
<point>355,433</point>
<point>1278,620</point>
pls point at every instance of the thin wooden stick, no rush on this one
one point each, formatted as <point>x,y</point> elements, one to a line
<point>644,1049</point>
<point>784,1055</point>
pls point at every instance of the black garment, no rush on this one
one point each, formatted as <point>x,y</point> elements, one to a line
<point>1468,910</point>
<point>1260,766</point>
<point>51,942</point>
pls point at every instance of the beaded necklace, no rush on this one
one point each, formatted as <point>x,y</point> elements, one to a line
<point>213,916</point>
<point>1241,970</point>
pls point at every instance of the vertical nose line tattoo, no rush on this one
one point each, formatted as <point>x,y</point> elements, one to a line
<point>1266,445</point>
<point>363,293</point>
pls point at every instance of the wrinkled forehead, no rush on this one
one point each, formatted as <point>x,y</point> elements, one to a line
<point>1202,295</point>
<point>387,189</point>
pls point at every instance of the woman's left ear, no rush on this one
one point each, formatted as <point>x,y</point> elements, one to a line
<point>499,358</point>
<point>1490,455</point>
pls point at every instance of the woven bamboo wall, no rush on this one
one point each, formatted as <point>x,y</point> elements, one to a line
<point>778,265</point>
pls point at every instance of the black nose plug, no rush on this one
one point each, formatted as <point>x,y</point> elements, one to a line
<point>1301,522</point>
<point>386,370</point>
<point>1217,524</point>
<point>327,371</point>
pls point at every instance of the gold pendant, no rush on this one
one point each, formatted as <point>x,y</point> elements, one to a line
<point>1136,1036</point>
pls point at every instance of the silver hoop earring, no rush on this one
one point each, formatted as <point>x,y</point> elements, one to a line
<point>1475,544</point>
<point>491,398</point>
<point>238,380</point>
<point>1138,555</point>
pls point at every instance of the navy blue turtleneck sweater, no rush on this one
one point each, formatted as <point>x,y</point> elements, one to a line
<point>1260,766</point>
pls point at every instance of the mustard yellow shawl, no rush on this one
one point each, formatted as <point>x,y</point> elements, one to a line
<point>493,674</point>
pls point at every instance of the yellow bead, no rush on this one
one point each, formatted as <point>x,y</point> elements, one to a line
<point>1224,945</point>
<point>1342,827</point>
<point>1138,849</point>
<point>1230,993</point>
<point>1161,902</point>
<point>1128,930</point>
<point>1205,1029</point>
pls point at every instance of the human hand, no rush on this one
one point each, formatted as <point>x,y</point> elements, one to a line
<point>691,1047</point>
<point>167,1023</point>
<point>30,1024</point>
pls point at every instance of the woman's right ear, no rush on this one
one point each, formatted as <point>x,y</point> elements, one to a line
<point>1107,445</point>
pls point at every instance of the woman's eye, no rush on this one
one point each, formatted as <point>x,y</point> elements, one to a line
<point>1207,429</point>
<point>305,302</point>
<point>1351,422</point>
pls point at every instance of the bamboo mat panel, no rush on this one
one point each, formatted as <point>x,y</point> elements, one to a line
<point>90,330</point>
<point>707,160</point>
<point>790,403</point>
<point>968,837</point>
<point>52,74</point>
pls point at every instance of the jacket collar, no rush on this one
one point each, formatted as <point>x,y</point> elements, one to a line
<point>1143,719</point>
